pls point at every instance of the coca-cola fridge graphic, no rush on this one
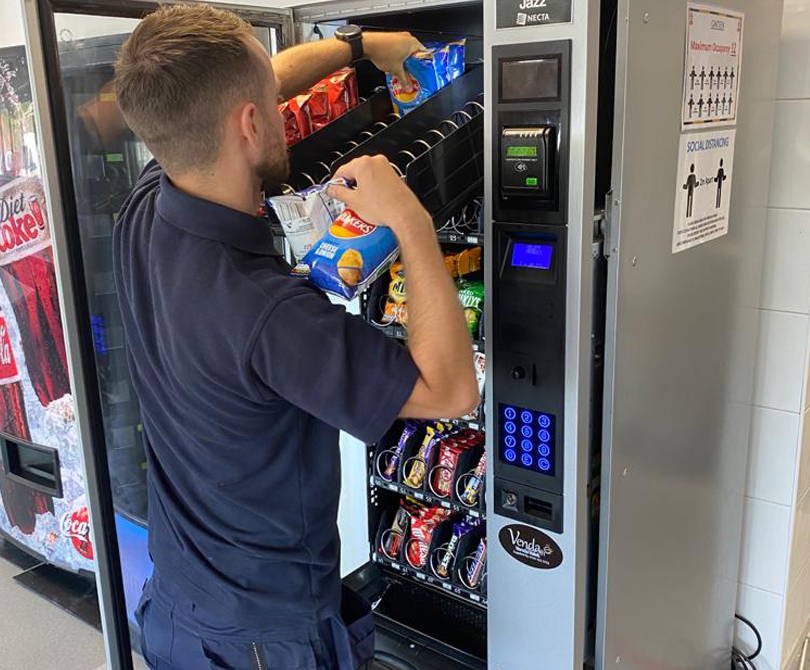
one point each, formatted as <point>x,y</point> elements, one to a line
<point>42,483</point>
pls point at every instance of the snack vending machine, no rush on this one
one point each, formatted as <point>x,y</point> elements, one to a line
<point>588,514</point>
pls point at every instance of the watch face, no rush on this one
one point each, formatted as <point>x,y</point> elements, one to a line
<point>348,31</point>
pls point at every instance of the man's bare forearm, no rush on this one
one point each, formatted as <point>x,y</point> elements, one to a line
<point>301,66</point>
<point>437,330</point>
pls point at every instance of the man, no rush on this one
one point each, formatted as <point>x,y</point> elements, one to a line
<point>245,374</point>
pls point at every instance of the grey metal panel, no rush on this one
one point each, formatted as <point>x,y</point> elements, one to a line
<point>336,10</point>
<point>536,618</point>
<point>679,358</point>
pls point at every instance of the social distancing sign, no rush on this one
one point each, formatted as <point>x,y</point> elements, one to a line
<point>703,188</point>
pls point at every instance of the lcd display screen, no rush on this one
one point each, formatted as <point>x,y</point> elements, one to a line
<point>537,256</point>
<point>532,79</point>
<point>521,152</point>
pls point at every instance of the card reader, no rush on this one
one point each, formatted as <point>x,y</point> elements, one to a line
<point>527,161</point>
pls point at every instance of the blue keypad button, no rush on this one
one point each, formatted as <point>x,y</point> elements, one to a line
<point>526,431</point>
<point>526,445</point>
<point>544,464</point>
<point>510,441</point>
<point>527,460</point>
<point>510,455</point>
<point>509,427</point>
<point>544,450</point>
<point>510,413</point>
<point>545,421</point>
<point>526,416</point>
<point>544,435</point>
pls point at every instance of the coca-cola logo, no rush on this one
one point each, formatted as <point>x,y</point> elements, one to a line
<point>76,526</point>
<point>8,366</point>
<point>18,227</point>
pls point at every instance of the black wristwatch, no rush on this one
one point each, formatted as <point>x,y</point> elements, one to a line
<point>353,36</point>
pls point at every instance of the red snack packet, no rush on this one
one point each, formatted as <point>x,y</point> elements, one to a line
<point>422,532</point>
<point>291,131</point>
<point>341,96</point>
<point>338,97</point>
<point>299,106</point>
<point>449,451</point>
<point>318,105</point>
<point>351,87</point>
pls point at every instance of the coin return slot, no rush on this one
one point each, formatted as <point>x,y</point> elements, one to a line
<point>539,508</point>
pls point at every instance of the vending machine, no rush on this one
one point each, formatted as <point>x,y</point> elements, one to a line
<point>43,509</point>
<point>602,213</point>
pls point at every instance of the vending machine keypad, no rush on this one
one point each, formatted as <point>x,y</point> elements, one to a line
<point>527,438</point>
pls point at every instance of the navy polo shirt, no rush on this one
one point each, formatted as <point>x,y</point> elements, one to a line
<point>245,375</point>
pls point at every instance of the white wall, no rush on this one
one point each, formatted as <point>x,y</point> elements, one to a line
<point>11,23</point>
<point>775,563</point>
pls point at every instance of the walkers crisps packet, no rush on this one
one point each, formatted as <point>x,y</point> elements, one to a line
<point>335,249</point>
<point>305,217</point>
<point>351,255</point>
<point>428,71</point>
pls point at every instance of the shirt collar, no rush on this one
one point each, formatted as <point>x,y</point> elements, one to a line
<point>215,222</point>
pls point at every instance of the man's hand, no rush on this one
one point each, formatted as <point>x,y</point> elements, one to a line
<point>380,197</point>
<point>388,52</point>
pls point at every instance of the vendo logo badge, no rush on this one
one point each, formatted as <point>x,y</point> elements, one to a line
<point>76,526</point>
<point>531,547</point>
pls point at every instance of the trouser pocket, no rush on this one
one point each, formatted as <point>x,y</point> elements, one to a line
<point>287,655</point>
<point>157,629</point>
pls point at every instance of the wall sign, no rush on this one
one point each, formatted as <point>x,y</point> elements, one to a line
<point>520,13</point>
<point>530,546</point>
<point>711,76</point>
<point>703,188</point>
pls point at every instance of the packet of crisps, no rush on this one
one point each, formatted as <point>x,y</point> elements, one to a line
<point>349,257</point>
<point>305,216</point>
<point>428,71</point>
<point>471,295</point>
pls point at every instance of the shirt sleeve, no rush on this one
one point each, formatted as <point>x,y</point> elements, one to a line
<point>333,365</point>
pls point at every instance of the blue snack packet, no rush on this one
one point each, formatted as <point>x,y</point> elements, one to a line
<point>428,71</point>
<point>455,59</point>
<point>349,257</point>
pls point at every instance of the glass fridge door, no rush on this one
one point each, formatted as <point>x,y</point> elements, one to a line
<point>98,165</point>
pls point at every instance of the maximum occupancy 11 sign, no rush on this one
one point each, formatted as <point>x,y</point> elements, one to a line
<point>711,85</point>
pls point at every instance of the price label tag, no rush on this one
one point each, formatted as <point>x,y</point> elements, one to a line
<point>419,575</point>
<point>448,587</point>
<point>475,597</point>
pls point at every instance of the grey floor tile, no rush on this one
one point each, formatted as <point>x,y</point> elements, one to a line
<point>36,635</point>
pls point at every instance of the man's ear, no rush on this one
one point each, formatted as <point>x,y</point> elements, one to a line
<point>248,118</point>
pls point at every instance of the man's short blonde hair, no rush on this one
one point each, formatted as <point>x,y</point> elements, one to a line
<point>178,75</point>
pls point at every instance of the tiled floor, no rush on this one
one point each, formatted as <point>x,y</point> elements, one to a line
<point>36,635</point>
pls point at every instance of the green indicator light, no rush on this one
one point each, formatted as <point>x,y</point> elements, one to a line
<point>531,181</point>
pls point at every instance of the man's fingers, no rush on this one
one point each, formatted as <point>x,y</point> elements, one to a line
<point>403,78</point>
<point>343,193</point>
